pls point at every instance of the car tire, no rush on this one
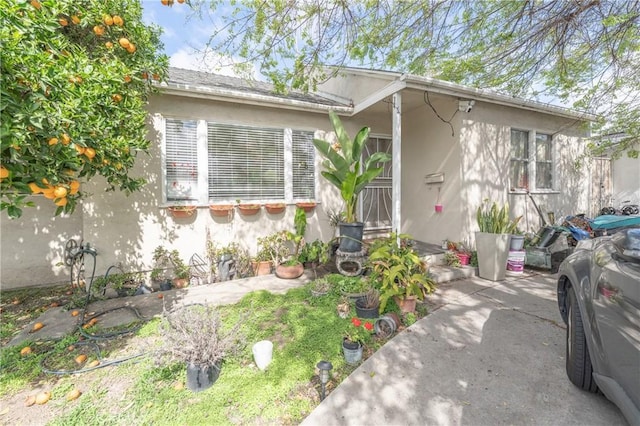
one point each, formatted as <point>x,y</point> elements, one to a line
<point>579,368</point>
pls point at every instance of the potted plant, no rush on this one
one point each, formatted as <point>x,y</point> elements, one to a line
<point>181,270</point>
<point>275,208</point>
<point>271,250</point>
<point>356,336</point>
<point>307,206</point>
<point>320,287</point>
<point>249,209</point>
<point>492,240</point>
<point>182,211</point>
<point>194,335</point>
<point>221,210</point>
<point>343,307</point>
<point>367,305</point>
<point>344,170</point>
<point>292,267</point>
<point>400,272</point>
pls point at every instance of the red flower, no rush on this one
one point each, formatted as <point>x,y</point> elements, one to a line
<point>368,326</point>
<point>355,321</point>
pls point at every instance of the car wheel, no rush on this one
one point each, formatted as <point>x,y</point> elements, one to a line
<point>579,368</point>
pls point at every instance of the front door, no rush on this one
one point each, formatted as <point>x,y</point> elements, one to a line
<point>376,200</point>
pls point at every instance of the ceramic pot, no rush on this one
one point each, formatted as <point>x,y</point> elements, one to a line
<point>249,209</point>
<point>221,210</point>
<point>289,272</point>
<point>351,237</point>
<point>407,303</point>
<point>308,207</point>
<point>275,208</point>
<point>262,267</point>
<point>182,212</point>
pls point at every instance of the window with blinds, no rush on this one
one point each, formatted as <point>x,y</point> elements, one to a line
<point>303,166</point>
<point>531,166</point>
<point>181,160</point>
<point>237,162</point>
<point>245,163</point>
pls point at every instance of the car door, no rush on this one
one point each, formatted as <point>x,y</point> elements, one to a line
<point>616,304</point>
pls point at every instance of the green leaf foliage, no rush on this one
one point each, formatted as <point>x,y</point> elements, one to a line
<point>75,78</point>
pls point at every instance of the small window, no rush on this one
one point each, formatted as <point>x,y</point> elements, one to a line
<point>531,164</point>
<point>181,160</point>
<point>303,165</point>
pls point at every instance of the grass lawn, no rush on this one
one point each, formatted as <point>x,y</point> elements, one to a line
<point>304,330</point>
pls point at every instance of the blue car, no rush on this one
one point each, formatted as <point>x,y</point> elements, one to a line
<point>599,300</point>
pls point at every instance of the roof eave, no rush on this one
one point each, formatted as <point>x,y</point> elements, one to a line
<point>226,95</point>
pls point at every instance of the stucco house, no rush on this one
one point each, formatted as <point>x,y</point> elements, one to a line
<point>217,139</point>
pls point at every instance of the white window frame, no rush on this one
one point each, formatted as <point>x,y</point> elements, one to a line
<point>532,161</point>
<point>202,190</point>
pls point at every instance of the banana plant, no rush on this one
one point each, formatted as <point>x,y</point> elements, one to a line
<point>343,166</point>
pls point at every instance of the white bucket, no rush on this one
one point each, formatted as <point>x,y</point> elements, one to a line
<point>262,353</point>
<point>515,261</point>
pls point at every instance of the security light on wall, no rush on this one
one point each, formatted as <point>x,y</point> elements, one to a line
<point>465,105</point>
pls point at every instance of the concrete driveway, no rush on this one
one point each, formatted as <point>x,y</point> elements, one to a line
<point>489,354</point>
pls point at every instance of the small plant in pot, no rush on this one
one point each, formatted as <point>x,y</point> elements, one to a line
<point>368,305</point>
<point>400,272</point>
<point>293,267</point>
<point>271,250</point>
<point>320,287</point>
<point>357,335</point>
<point>181,270</point>
<point>193,335</point>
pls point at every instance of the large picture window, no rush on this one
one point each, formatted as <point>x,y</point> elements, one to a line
<point>236,162</point>
<point>531,165</point>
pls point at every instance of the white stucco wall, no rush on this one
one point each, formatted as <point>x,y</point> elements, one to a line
<point>32,246</point>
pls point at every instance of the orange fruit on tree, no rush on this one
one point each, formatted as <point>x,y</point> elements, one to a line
<point>90,153</point>
<point>61,202</point>
<point>35,189</point>
<point>124,42</point>
<point>180,1</point>
<point>37,326</point>
<point>109,45</point>
<point>108,20</point>
<point>48,193</point>
<point>25,351</point>
<point>131,48</point>
<point>36,4</point>
<point>74,186</point>
<point>75,19</point>
<point>116,98</point>
<point>60,191</point>
<point>99,30</point>
<point>65,139</point>
<point>63,22</point>
<point>145,75</point>
<point>127,79</point>
<point>118,20</point>
<point>4,172</point>
<point>53,141</point>
<point>80,149</point>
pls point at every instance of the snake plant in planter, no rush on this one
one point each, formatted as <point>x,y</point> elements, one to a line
<point>492,241</point>
<point>344,169</point>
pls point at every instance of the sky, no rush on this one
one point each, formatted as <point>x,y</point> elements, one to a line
<point>183,35</point>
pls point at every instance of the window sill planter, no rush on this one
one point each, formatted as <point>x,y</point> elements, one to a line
<point>308,207</point>
<point>221,210</point>
<point>275,208</point>
<point>249,209</point>
<point>182,211</point>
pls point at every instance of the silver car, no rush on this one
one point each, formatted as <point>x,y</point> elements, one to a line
<point>599,300</point>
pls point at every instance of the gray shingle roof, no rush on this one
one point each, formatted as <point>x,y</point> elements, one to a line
<point>208,81</point>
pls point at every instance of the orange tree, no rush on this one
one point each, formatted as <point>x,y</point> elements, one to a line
<point>75,80</point>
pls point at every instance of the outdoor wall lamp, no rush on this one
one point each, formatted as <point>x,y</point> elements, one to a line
<point>465,105</point>
<point>324,367</point>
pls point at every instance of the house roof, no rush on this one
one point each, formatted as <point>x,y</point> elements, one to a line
<point>214,86</point>
<point>399,81</point>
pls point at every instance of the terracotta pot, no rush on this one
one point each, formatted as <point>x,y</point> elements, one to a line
<point>289,272</point>
<point>275,208</point>
<point>308,207</point>
<point>249,209</point>
<point>221,210</point>
<point>182,212</point>
<point>407,303</point>
<point>261,268</point>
